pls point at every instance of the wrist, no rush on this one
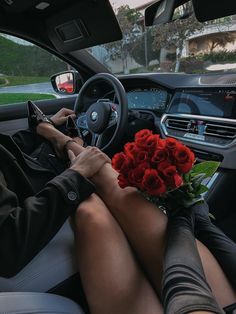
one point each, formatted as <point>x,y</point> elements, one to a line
<point>79,170</point>
<point>74,147</point>
<point>52,122</point>
<point>104,173</point>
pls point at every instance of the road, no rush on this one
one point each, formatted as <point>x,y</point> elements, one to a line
<point>42,88</point>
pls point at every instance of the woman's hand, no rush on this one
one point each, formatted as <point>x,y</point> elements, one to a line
<point>61,116</point>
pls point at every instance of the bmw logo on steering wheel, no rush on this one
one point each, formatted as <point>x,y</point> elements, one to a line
<point>94,116</point>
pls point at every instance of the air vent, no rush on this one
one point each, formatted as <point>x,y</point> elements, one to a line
<point>178,124</point>
<point>220,130</point>
<point>219,79</point>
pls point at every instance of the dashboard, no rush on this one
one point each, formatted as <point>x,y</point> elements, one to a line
<point>148,98</point>
<point>198,109</point>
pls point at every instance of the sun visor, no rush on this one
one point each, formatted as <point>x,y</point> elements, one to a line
<point>206,10</point>
<point>83,25</point>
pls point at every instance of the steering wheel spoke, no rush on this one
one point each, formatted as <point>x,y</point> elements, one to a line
<point>82,122</point>
<point>112,120</point>
<point>96,139</point>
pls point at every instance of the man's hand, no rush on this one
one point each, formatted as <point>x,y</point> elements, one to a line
<point>61,116</point>
<point>89,162</point>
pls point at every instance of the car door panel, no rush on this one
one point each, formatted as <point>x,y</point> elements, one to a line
<point>14,117</point>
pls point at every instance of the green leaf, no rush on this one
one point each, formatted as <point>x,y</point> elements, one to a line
<point>201,189</point>
<point>186,177</point>
<point>196,181</point>
<point>208,168</point>
<point>190,195</point>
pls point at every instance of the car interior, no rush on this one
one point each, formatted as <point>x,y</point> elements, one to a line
<point>198,109</point>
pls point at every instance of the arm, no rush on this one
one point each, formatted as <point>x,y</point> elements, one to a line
<point>25,228</point>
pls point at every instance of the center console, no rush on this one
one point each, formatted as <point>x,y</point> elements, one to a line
<point>205,120</point>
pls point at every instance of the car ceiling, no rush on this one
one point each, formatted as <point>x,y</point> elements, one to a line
<point>39,21</point>
<point>29,6</point>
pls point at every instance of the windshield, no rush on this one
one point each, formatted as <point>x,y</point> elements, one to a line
<point>184,45</point>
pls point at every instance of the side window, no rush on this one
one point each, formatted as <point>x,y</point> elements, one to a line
<point>25,71</point>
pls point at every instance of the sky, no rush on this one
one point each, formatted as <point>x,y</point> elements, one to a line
<point>131,3</point>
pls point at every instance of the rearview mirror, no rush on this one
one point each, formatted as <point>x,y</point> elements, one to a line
<point>66,83</point>
<point>160,12</point>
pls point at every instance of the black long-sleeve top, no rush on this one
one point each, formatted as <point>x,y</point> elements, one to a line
<point>30,213</point>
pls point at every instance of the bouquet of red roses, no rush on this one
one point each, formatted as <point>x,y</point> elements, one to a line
<point>162,169</point>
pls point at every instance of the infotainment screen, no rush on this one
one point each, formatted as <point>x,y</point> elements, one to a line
<point>216,103</point>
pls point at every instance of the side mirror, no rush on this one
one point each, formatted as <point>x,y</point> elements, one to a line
<point>66,83</point>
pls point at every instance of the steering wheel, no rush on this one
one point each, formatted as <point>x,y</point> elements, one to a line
<point>103,114</point>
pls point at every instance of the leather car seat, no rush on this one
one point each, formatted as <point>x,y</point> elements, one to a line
<point>36,303</point>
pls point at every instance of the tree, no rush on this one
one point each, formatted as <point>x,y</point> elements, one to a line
<point>128,19</point>
<point>27,60</point>
<point>220,40</point>
<point>174,34</point>
<point>142,54</point>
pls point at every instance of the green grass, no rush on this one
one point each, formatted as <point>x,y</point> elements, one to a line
<point>22,80</point>
<point>12,98</point>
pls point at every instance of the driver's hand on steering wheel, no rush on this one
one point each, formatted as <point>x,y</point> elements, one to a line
<point>61,116</point>
<point>88,162</point>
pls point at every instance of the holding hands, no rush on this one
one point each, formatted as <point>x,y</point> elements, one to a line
<point>89,161</point>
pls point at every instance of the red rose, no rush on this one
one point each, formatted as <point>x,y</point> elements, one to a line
<point>120,162</point>
<point>151,143</point>
<point>141,156</point>
<point>171,143</point>
<point>184,159</point>
<point>172,178</point>
<point>136,175</point>
<point>153,183</point>
<point>161,143</point>
<point>123,181</point>
<point>159,155</point>
<point>141,136</point>
<point>163,165</point>
<point>130,150</point>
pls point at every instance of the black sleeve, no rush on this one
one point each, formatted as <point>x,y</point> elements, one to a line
<point>26,228</point>
<point>27,141</point>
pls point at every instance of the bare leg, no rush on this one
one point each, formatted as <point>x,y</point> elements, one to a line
<point>216,278</point>
<point>112,280</point>
<point>143,223</point>
<point>145,227</point>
